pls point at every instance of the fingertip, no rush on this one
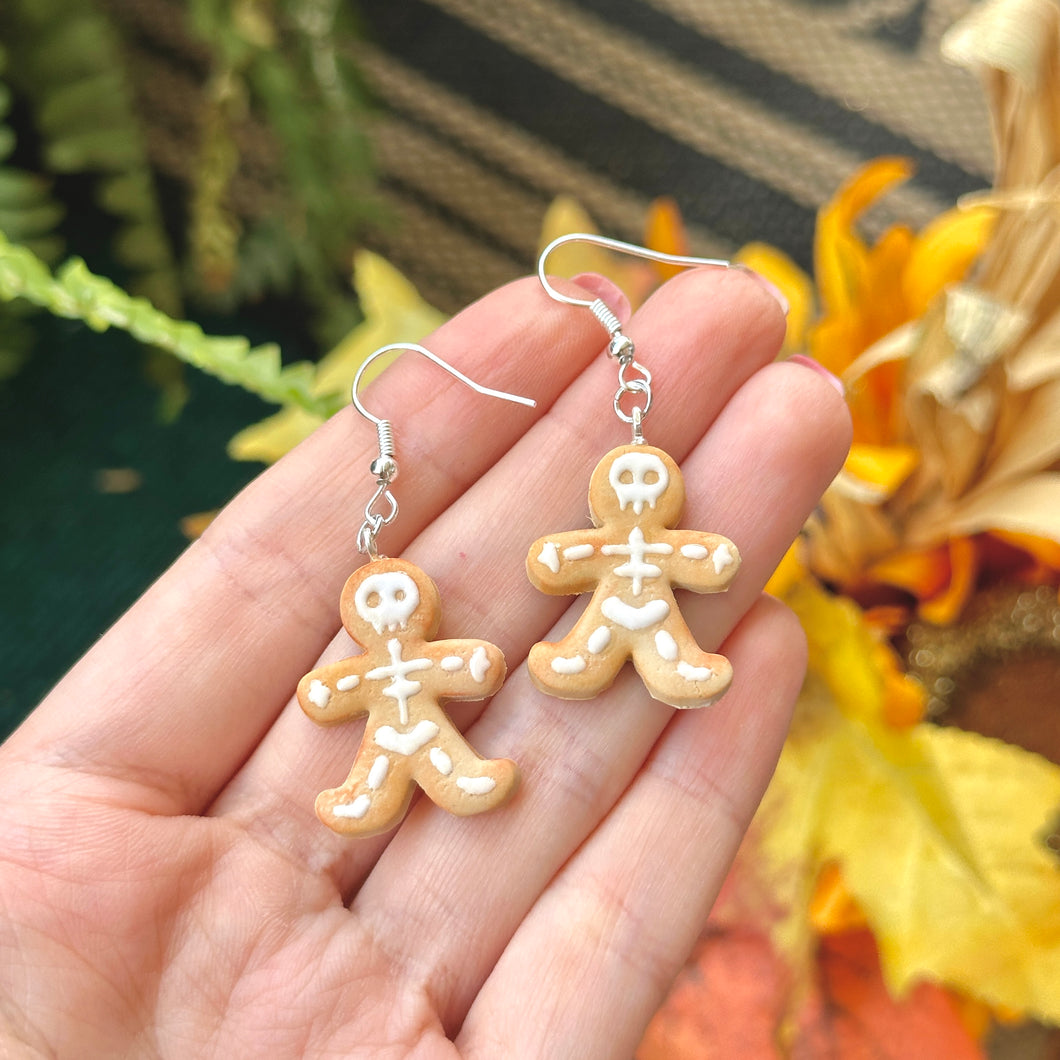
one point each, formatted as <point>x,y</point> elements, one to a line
<point>812,394</point>
<point>815,366</point>
<point>767,285</point>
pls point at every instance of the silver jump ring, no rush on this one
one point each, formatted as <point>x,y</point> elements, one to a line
<point>634,386</point>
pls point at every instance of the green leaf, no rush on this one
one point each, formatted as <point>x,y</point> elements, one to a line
<point>78,294</point>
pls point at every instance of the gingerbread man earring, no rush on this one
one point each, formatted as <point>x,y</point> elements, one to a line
<point>391,608</point>
<point>632,557</point>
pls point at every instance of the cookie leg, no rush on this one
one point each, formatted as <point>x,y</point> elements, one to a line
<point>677,671</point>
<point>373,799</point>
<point>581,665</point>
<point>460,781</point>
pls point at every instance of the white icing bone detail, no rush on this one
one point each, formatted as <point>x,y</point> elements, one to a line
<point>400,687</point>
<point>478,664</point>
<point>578,552</point>
<point>574,665</point>
<point>694,673</point>
<point>451,663</point>
<point>345,684</point>
<point>633,618</point>
<point>695,551</point>
<point>441,761</point>
<point>476,785</point>
<point>357,809</point>
<point>406,743</point>
<point>637,569</point>
<point>723,558</point>
<point>395,599</point>
<point>638,491</point>
<point>377,774</point>
<point>319,694</point>
<point>550,556</point>
<point>598,640</point>
<point>666,646</point>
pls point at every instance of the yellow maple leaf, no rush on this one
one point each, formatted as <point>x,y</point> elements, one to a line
<point>936,832</point>
<point>393,312</point>
<point>989,924</point>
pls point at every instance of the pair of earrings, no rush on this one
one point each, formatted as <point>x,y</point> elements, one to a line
<point>630,560</point>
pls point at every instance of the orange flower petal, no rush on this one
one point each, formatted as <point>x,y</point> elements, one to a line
<point>832,909</point>
<point>883,466</point>
<point>904,700</point>
<point>792,282</point>
<point>789,572</point>
<point>868,184</point>
<point>943,253</point>
<point>924,574</point>
<point>841,258</point>
<point>665,231</point>
<point>1043,549</point>
<point>964,567</point>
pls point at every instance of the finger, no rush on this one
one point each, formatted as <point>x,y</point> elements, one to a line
<point>185,685</point>
<point>783,436</point>
<point>615,926</point>
<point>481,541</point>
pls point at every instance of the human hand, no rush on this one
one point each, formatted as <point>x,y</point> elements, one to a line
<point>167,888</point>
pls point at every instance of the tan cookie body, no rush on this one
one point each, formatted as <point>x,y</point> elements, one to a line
<point>630,562</point>
<point>391,608</point>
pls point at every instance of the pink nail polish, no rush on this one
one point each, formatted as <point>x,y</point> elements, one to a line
<point>816,366</point>
<point>606,290</point>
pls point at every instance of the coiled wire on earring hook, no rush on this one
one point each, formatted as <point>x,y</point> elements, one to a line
<point>621,346</point>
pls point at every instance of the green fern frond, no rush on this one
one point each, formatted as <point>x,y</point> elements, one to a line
<point>76,293</point>
<point>281,60</point>
<point>70,67</point>
<point>27,211</point>
<point>30,215</point>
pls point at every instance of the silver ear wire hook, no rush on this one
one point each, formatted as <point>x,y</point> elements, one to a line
<point>621,346</point>
<point>385,466</point>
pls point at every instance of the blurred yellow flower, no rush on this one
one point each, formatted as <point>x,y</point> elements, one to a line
<point>393,312</point>
<point>948,343</point>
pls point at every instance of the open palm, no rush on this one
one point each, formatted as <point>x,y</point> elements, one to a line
<point>167,889</point>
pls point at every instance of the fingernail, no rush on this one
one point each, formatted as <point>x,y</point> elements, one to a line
<point>771,287</point>
<point>816,366</point>
<point>606,290</point>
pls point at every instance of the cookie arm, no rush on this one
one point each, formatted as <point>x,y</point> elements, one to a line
<point>702,562</point>
<point>567,563</point>
<point>335,692</point>
<point>466,669</point>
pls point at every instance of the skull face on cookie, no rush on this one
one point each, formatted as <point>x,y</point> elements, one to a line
<point>630,562</point>
<point>391,608</point>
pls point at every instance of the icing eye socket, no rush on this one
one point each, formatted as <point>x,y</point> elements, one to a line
<point>651,477</point>
<point>399,594</point>
<point>626,477</point>
<point>372,600</point>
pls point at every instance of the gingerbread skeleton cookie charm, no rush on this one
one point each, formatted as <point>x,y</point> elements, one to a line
<point>391,608</point>
<point>632,557</point>
<point>630,561</point>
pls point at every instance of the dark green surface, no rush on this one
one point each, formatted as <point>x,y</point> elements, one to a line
<point>73,558</point>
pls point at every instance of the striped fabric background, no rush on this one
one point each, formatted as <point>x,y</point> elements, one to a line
<point>749,113</point>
